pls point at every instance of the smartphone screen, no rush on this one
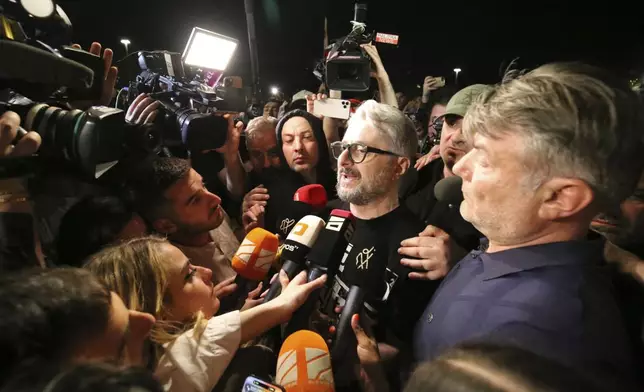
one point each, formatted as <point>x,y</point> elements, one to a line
<point>254,384</point>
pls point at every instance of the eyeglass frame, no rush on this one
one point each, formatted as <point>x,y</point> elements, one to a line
<point>369,149</point>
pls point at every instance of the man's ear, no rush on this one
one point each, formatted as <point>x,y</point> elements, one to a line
<point>402,165</point>
<point>564,197</point>
<point>164,226</point>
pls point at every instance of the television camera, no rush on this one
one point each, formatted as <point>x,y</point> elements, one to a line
<point>346,66</point>
<point>193,96</point>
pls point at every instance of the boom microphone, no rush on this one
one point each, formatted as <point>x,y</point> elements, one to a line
<point>324,258</point>
<point>304,364</point>
<point>449,190</point>
<point>295,248</point>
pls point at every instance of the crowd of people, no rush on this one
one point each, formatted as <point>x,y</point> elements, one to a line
<point>531,280</point>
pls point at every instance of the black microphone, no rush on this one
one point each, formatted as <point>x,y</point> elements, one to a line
<point>324,258</point>
<point>364,275</point>
<point>297,246</point>
<point>449,190</point>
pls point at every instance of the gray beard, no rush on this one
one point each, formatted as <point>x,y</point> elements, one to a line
<point>367,191</point>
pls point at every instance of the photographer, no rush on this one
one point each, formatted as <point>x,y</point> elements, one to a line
<point>233,175</point>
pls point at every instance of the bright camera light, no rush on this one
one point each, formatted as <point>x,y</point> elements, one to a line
<point>275,90</point>
<point>125,41</point>
<point>457,70</point>
<point>38,8</point>
<point>209,50</point>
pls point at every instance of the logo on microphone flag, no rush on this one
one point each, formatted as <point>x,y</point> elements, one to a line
<point>304,364</point>
<point>255,254</point>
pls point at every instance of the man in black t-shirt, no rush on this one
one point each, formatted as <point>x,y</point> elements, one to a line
<point>375,152</point>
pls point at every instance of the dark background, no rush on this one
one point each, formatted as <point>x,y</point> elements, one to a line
<point>435,36</point>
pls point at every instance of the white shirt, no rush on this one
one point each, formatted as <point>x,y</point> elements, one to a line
<point>191,365</point>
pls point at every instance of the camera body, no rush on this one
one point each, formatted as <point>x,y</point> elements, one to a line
<point>37,74</point>
<point>190,104</point>
<point>347,67</point>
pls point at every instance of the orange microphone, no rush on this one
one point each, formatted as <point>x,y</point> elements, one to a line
<point>255,255</point>
<point>304,364</point>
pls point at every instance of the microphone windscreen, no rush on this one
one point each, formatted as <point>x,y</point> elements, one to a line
<point>313,194</point>
<point>304,364</point>
<point>255,254</point>
<point>449,190</point>
<point>301,239</point>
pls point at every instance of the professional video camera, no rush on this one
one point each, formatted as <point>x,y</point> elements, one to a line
<point>347,67</point>
<point>190,103</point>
<point>34,74</point>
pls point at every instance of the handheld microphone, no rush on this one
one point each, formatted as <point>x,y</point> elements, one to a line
<point>327,253</point>
<point>313,194</point>
<point>324,258</point>
<point>255,254</point>
<point>295,248</point>
<point>449,190</point>
<point>252,261</point>
<point>304,364</point>
<point>364,277</point>
<point>307,200</point>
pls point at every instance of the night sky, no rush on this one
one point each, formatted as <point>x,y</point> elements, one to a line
<point>435,36</point>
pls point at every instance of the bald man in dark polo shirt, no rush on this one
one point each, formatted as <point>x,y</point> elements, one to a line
<point>550,150</point>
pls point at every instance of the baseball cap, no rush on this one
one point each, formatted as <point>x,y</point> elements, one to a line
<point>462,100</point>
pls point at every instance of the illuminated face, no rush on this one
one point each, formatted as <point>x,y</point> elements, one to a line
<point>374,176</point>
<point>194,208</point>
<point>299,145</point>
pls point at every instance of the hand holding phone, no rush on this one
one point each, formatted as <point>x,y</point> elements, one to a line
<point>432,83</point>
<point>334,108</point>
<point>254,384</point>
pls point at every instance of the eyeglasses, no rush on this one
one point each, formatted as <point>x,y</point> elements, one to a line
<point>357,151</point>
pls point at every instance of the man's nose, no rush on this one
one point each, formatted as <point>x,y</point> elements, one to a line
<point>457,137</point>
<point>463,167</point>
<point>297,144</point>
<point>214,199</point>
<point>267,161</point>
<point>344,160</point>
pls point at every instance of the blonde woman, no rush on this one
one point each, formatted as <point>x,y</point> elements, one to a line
<point>190,348</point>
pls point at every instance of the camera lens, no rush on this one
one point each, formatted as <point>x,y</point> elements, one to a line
<point>198,131</point>
<point>82,138</point>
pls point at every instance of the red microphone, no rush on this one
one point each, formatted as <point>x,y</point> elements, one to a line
<point>313,195</point>
<point>307,200</point>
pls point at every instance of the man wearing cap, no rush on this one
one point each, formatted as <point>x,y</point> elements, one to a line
<point>448,236</point>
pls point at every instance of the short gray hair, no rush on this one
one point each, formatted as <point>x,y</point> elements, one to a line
<point>578,121</point>
<point>259,125</point>
<point>391,123</point>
